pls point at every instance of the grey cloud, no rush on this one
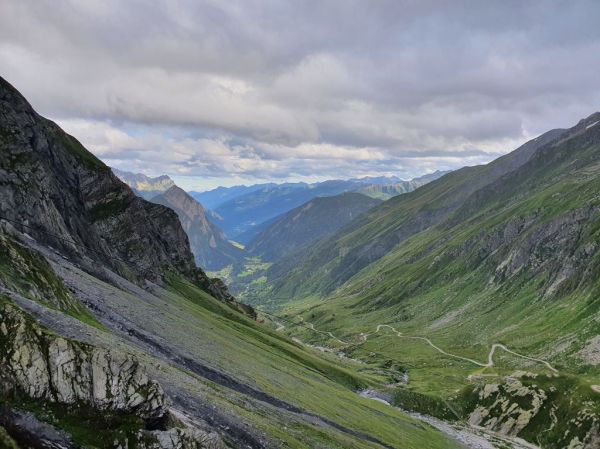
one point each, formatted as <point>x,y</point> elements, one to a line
<point>207,158</point>
<point>462,80</point>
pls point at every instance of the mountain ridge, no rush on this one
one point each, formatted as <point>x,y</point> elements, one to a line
<point>145,186</point>
<point>311,221</point>
<point>350,251</point>
<point>68,198</point>
<point>243,215</point>
<point>384,190</point>
<point>211,249</point>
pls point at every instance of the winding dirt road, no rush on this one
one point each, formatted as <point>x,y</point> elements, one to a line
<point>490,359</point>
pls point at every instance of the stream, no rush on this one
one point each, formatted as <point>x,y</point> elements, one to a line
<point>471,437</point>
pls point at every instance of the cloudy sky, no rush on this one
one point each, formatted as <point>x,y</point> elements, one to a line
<point>222,92</point>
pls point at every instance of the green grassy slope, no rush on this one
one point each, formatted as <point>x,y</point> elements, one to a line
<point>517,263</point>
<point>325,266</point>
<point>313,220</point>
<point>25,271</point>
<point>195,330</point>
<point>271,362</point>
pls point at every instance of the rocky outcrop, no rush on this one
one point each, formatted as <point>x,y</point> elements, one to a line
<point>51,369</point>
<point>590,353</point>
<point>531,407</point>
<point>180,438</point>
<point>512,408</point>
<point>208,243</point>
<point>217,288</point>
<point>55,369</point>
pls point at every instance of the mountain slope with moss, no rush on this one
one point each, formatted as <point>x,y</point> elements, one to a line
<point>321,268</point>
<point>315,219</point>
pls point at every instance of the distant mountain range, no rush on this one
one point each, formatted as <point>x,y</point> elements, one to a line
<point>215,197</point>
<point>379,188</point>
<point>244,210</point>
<point>144,186</point>
<point>242,213</point>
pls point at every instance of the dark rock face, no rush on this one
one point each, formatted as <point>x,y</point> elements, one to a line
<point>52,188</point>
<point>559,248</point>
<point>71,200</point>
<point>208,243</point>
<point>25,428</point>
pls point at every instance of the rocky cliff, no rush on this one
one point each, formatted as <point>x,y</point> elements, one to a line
<point>52,368</point>
<point>529,405</point>
<point>56,191</point>
<point>208,243</point>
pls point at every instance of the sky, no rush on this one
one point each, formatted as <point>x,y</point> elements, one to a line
<point>242,91</point>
